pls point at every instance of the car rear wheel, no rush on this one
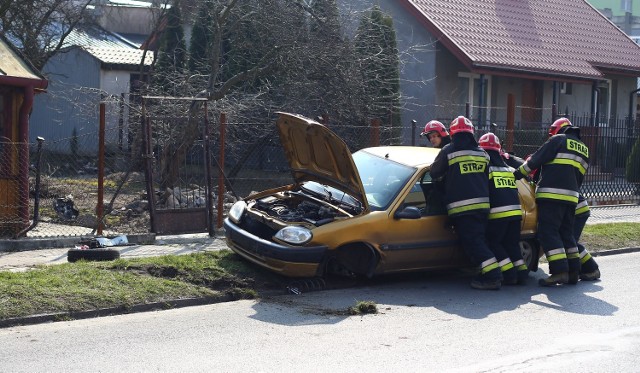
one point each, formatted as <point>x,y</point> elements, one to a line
<point>529,250</point>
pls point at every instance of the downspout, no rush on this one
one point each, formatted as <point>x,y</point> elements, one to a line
<point>23,129</point>
<point>595,92</point>
<point>554,101</point>
<point>481,102</point>
<point>632,95</point>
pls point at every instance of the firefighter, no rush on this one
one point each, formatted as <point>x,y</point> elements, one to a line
<point>464,167</point>
<point>589,270</point>
<point>562,162</point>
<point>505,215</point>
<point>436,133</point>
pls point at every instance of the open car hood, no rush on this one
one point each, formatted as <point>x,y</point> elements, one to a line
<point>317,154</point>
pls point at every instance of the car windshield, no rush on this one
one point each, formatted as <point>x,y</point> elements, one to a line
<point>382,178</point>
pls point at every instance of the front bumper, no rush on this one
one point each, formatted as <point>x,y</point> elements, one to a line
<point>286,260</point>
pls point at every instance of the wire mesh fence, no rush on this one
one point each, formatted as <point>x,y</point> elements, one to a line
<point>243,156</point>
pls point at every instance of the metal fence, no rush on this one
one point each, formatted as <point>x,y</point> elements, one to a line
<point>240,156</point>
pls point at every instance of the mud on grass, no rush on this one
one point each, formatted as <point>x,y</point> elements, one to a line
<point>220,271</point>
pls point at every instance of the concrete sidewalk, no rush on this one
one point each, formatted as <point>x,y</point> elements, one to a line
<point>161,245</point>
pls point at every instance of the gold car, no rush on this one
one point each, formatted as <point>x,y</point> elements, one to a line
<point>372,212</point>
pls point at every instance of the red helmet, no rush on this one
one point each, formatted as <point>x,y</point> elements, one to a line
<point>489,141</point>
<point>461,124</point>
<point>435,126</point>
<point>558,124</point>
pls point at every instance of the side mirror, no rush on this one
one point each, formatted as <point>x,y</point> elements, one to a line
<point>409,212</point>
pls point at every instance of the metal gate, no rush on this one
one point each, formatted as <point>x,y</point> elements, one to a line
<point>176,152</point>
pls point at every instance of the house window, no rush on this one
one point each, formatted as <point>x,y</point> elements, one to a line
<point>566,88</point>
<point>625,5</point>
<point>469,91</point>
<point>2,124</point>
<point>604,102</point>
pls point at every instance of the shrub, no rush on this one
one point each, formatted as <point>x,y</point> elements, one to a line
<point>633,164</point>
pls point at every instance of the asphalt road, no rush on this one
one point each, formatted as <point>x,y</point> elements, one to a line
<point>428,323</point>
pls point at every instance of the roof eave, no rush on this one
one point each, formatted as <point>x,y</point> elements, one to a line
<point>516,72</point>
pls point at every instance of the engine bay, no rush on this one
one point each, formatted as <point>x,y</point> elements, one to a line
<point>297,206</point>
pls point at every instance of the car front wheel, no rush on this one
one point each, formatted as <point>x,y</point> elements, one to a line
<point>529,250</point>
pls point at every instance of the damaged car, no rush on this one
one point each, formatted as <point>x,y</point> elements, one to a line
<point>372,212</point>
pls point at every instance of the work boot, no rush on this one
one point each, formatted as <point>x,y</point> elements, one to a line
<point>486,284</point>
<point>523,277</point>
<point>590,276</point>
<point>510,277</point>
<point>558,278</point>
<point>573,277</point>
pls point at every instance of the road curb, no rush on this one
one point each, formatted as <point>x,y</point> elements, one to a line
<point>119,310</point>
<point>623,250</point>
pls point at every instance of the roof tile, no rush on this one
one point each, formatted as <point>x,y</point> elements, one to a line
<point>558,37</point>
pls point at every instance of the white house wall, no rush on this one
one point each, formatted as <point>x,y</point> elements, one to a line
<point>114,83</point>
<point>417,66</point>
<point>71,102</point>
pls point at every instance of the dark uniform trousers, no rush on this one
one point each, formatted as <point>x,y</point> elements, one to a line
<point>587,263</point>
<point>471,228</point>
<point>503,237</point>
<point>555,233</point>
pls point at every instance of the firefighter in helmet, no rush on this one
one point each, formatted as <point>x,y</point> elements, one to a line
<point>436,133</point>
<point>562,162</point>
<point>464,167</point>
<point>505,215</point>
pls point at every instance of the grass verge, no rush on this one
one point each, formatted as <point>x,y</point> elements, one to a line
<point>600,237</point>
<point>81,286</point>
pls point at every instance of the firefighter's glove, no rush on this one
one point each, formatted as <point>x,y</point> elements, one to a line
<point>518,175</point>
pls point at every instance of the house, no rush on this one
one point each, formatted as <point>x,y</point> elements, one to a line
<point>19,83</point>
<point>624,13</point>
<point>95,65</point>
<point>544,53</point>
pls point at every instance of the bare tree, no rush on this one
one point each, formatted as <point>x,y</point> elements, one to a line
<point>39,27</point>
<point>269,55</point>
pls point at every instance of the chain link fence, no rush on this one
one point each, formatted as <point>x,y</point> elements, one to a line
<point>242,156</point>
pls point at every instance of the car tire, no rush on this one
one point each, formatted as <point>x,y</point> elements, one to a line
<point>530,254</point>
<point>97,254</point>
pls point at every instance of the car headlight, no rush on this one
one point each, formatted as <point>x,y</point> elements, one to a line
<point>236,211</point>
<point>294,235</point>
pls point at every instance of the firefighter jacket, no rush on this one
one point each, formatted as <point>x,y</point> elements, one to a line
<point>562,162</point>
<point>503,192</point>
<point>464,167</point>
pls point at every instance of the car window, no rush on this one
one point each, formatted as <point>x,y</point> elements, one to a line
<point>426,196</point>
<point>382,178</point>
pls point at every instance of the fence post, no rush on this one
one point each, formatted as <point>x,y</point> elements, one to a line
<point>100,205</point>
<point>223,124</point>
<point>375,132</point>
<point>413,132</point>
<point>147,156</point>
<point>511,115</point>
<point>467,111</point>
<point>208,173</point>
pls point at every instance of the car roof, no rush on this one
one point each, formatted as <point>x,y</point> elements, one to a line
<point>413,156</point>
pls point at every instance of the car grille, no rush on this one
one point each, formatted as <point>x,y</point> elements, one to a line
<point>256,227</point>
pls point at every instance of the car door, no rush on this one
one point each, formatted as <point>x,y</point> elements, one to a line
<point>426,242</point>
